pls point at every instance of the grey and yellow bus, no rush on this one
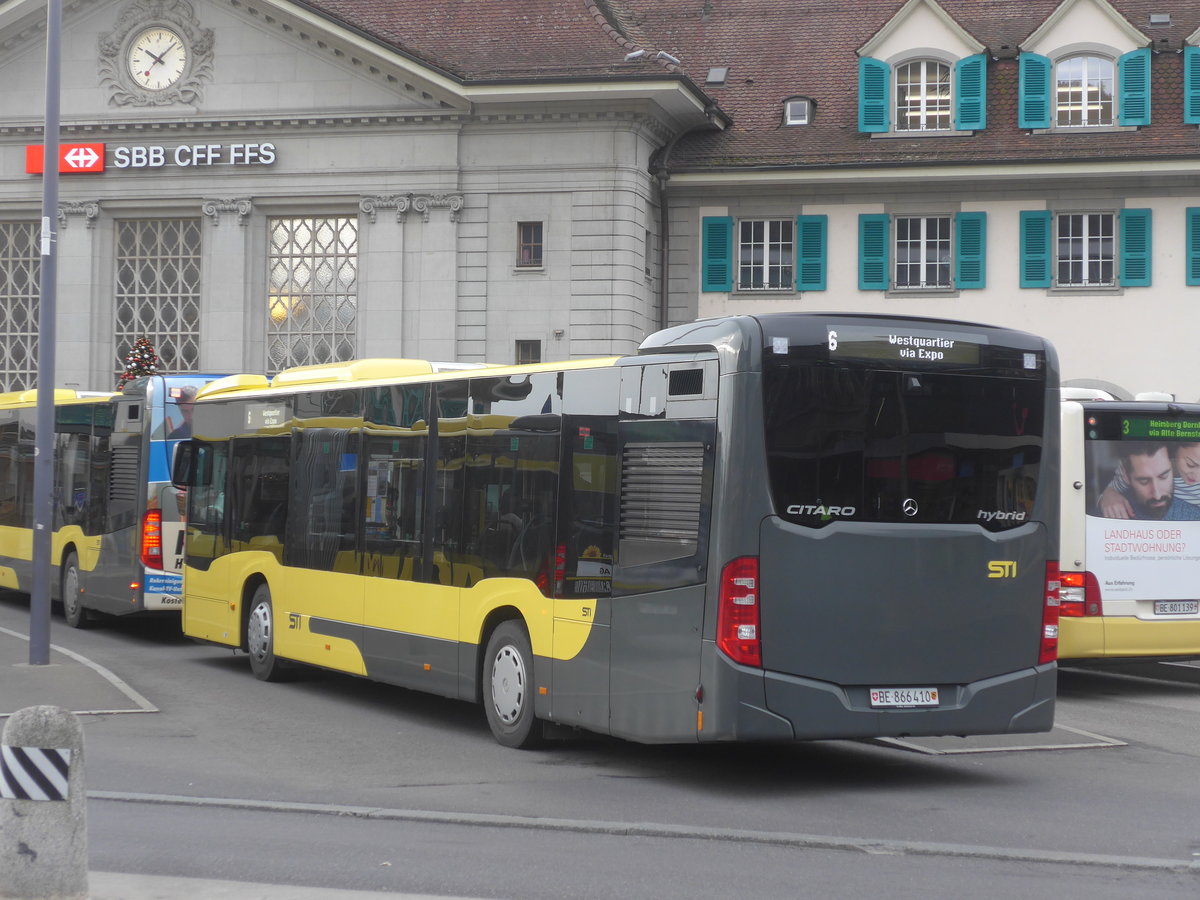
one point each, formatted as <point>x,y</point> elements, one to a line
<point>116,547</point>
<point>757,528</point>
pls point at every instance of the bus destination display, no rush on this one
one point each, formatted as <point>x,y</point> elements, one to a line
<point>1154,428</point>
<point>929,347</point>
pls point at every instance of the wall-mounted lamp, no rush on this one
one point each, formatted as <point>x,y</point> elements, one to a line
<point>558,332</point>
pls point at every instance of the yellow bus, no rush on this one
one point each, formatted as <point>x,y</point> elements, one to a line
<point>781,527</point>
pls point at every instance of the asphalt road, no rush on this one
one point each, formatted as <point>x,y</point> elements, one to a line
<point>330,781</point>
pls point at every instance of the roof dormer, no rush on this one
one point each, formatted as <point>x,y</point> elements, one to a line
<point>922,74</point>
<point>1084,22</point>
<point>1084,67</point>
<point>920,25</point>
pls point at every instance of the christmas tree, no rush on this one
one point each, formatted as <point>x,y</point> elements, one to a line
<point>140,360</point>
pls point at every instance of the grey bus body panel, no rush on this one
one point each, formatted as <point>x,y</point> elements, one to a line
<point>579,694</point>
<point>889,604</point>
<point>655,666</point>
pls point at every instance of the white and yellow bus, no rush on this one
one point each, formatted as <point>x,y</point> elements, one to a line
<point>782,527</point>
<point>1130,539</point>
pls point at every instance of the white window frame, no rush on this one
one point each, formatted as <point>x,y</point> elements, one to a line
<point>932,110</point>
<point>797,111</point>
<point>767,253</point>
<point>942,247</point>
<point>1092,114</point>
<point>1088,229</point>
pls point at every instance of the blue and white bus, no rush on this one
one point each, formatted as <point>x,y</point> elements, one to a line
<point>117,539</point>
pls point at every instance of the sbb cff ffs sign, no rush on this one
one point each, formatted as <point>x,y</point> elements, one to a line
<point>71,158</point>
<point>90,157</point>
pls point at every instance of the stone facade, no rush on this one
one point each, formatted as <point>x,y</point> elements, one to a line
<point>290,116</point>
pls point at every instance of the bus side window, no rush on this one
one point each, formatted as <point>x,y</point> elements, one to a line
<point>394,505</point>
<point>322,520</point>
<point>9,469</point>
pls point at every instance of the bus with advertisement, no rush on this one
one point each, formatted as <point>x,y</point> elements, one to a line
<point>756,528</point>
<point>1130,529</point>
<point>117,543</point>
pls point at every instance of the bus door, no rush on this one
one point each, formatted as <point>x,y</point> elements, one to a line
<point>321,598</point>
<point>207,611</point>
<point>666,445</point>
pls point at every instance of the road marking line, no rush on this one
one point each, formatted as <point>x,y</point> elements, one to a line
<point>144,705</point>
<point>645,829</point>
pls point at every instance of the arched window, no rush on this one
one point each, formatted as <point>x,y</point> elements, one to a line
<point>1084,91</point>
<point>923,101</point>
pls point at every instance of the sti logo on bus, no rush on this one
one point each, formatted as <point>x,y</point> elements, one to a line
<point>1002,568</point>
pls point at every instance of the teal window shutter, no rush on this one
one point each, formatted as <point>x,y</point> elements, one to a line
<point>1035,248</point>
<point>1133,74</point>
<point>970,93</point>
<point>717,253</point>
<point>1034,87</point>
<point>970,250</point>
<point>1191,85</point>
<point>811,233</point>
<point>1135,248</point>
<point>873,251</point>
<point>874,96</point>
<point>1193,245</point>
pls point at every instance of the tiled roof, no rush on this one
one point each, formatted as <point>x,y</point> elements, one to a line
<point>776,49</point>
<point>487,40</point>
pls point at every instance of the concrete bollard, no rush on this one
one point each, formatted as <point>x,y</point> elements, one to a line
<point>43,806</point>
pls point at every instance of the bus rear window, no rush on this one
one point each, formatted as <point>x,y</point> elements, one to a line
<point>850,443</point>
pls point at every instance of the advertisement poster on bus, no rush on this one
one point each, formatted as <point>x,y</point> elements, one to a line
<point>1143,506</point>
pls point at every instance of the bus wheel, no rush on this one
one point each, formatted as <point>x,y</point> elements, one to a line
<point>508,687</point>
<point>72,598</point>
<point>260,637</point>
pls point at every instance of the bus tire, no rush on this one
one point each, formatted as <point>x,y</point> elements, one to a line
<point>508,687</point>
<point>260,637</point>
<point>74,611</point>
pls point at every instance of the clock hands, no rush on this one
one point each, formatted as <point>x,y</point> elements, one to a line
<point>158,60</point>
<point>157,47</point>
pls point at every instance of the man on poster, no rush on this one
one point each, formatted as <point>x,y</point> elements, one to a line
<point>1149,472</point>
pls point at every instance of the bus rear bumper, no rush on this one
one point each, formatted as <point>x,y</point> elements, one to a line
<point>787,707</point>
<point>1127,637</point>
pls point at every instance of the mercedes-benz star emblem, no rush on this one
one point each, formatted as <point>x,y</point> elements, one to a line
<point>910,507</point>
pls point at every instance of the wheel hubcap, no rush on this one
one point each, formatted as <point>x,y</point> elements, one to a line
<point>508,684</point>
<point>258,635</point>
<point>71,591</point>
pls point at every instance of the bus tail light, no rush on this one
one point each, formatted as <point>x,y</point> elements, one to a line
<point>152,539</point>
<point>560,570</point>
<point>1080,595</point>
<point>1050,604</point>
<point>738,634</point>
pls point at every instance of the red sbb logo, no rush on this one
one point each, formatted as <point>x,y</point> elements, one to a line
<point>71,158</point>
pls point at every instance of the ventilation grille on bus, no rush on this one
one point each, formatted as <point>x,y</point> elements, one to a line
<point>123,477</point>
<point>661,489</point>
<point>684,382</point>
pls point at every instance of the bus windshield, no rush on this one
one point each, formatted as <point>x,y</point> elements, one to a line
<point>867,444</point>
